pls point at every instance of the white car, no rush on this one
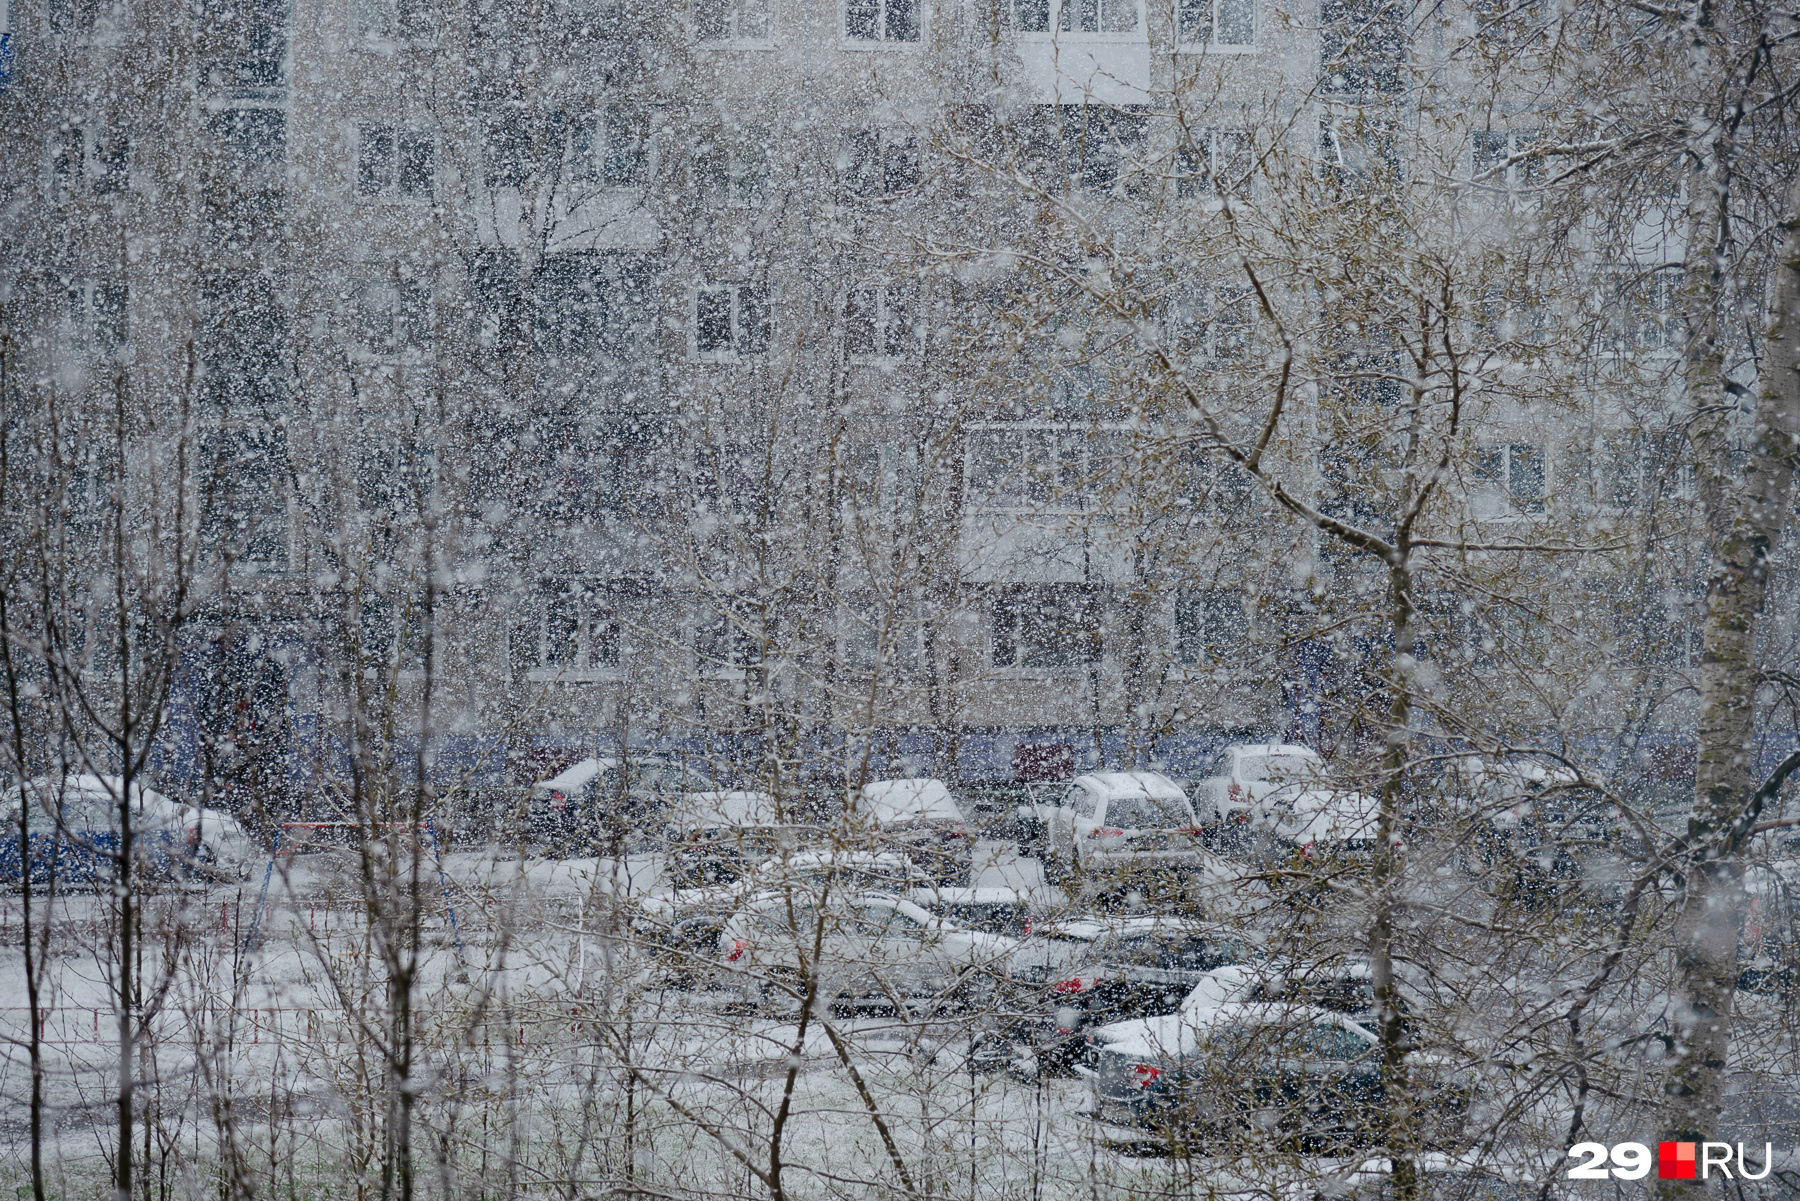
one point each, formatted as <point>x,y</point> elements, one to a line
<point>1116,819</point>
<point>919,818</point>
<point>1284,792</point>
<point>869,946</point>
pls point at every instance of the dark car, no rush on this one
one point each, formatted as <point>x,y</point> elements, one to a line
<point>1301,1075</point>
<point>599,802</point>
<point>1072,975</point>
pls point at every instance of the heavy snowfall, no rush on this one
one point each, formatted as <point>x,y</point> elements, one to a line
<point>927,600</point>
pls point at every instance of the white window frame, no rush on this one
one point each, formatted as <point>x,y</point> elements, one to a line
<point>1501,488</point>
<point>849,42</point>
<point>593,608</point>
<point>889,296</point>
<point>421,293</point>
<point>730,143</point>
<point>741,333</point>
<point>735,38</point>
<point>369,36</point>
<point>1056,32</point>
<point>1088,441</point>
<point>389,191</point>
<point>1210,44</point>
<point>589,170</point>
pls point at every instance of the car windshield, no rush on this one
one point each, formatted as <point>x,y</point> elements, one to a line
<point>1170,951</point>
<point>1283,769</point>
<point>1144,811</point>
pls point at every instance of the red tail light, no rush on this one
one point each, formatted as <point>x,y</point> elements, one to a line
<point>1027,929</point>
<point>1235,793</point>
<point>1075,984</point>
<point>1142,1075</point>
<point>558,800</point>
<point>737,950</point>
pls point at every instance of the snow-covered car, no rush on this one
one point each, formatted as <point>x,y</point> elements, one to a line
<point>1117,819</point>
<point>215,843</point>
<point>1073,975</point>
<point>1005,911</point>
<point>919,818</point>
<point>716,837</point>
<point>74,831</point>
<point>603,799</point>
<point>1282,793</point>
<point>870,947</point>
<point>689,919</point>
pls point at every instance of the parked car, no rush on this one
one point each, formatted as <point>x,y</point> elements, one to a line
<point>687,921</point>
<point>1108,821</point>
<point>1074,975</point>
<point>871,947</point>
<point>596,802</point>
<point>996,910</point>
<point>918,818</point>
<point>715,837</point>
<point>214,843</point>
<point>73,832</point>
<point>1278,795</point>
<point>1304,1075</point>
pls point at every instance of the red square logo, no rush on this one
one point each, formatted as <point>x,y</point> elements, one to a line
<point>1674,1161</point>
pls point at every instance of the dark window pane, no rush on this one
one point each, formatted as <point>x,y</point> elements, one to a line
<point>862,20</point>
<point>416,166</point>
<point>712,321</point>
<point>902,20</point>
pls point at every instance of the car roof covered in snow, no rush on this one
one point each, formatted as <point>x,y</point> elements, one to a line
<point>576,776</point>
<point>712,810</point>
<point>1109,784</point>
<point>1277,749</point>
<point>906,800</point>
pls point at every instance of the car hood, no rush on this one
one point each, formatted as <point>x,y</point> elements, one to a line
<point>1164,1030</point>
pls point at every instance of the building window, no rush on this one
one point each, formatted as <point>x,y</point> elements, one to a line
<point>1218,24</point>
<point>244,347</point>
<point>393,163</point>
<point>570,628</point>
<point>1209,482</point>
<point>582,468</point>
<point>1490,152</point>
<point>506,145</point>
<point>882,477</point>
<point>243,488</point>
<point>882,20</point>
<point>732,21</point>
<point>1215,162</point>
<point>243,45</point>
<point>878,162</point>
<point>1034,467</point>
<point>1626,469</point>
<point>397,20</point>
<point>1212,324</point>
<point>1508,480</point>
<point>98,20</point>
<point>97,317</point>
<point>609,148</point>
<point>1076,16</point>
<point>1046,626</point>
<point>1102,148</point>
<point>392,318</point>
<point>1210,628</point>
<point>729,477</point>
<point>1642,314</point>
<point>85,162</point>
<point>731,321</point>
<point>732,167</point>
<point>883,636</point>
<point>723,647</point>
<point>878,321</point>
<point>1357,150</point>
<point>1362,46</point>
<point>595,318</point>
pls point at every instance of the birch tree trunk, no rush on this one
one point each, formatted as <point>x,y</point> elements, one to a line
<point>1749,507</point>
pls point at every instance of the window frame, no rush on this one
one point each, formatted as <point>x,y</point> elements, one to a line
<point>735,39</point>
<point>409,288</point>
<point>1484,483</point>
<point>745,345</point>
<point>850,41</point>
<point>391,189</point>
<point>593,604</point>
<point>1054,29</point>
<point>1009,610</point>
<point>1211,44</point>
<point>889,295</point>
